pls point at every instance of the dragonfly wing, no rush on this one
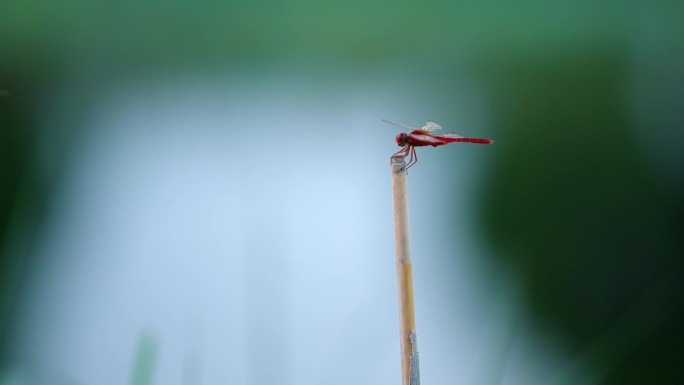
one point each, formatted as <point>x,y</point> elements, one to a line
<point>431,126</point>
<point>451,135</point>
<point>399,124</point>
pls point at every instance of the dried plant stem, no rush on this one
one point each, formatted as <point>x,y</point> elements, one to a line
<point>407,319</point>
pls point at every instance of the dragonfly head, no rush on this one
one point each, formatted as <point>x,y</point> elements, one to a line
<point>401,139</point>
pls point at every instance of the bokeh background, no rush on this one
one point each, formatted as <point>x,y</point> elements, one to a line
<point>199,192</point>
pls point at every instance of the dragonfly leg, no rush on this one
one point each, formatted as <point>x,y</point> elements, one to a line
<point>413,160</point>
<point>410,162</point>
<point>404,149</point>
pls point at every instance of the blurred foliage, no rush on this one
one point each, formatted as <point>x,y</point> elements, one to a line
<point>22,190</point>
<point>129,35</point>
<point>592,228</point>
<point>145,360</point>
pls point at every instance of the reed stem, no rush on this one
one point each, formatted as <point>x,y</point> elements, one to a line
<point>407,319</point>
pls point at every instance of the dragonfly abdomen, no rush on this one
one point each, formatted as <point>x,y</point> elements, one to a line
<point>469,140</point>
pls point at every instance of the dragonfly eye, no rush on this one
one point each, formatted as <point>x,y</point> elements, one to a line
<point>401,139</point>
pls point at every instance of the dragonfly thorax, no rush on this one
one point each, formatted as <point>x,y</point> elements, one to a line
<point>401,139</point>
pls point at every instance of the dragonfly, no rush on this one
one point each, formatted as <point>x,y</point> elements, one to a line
<point>419,137</point>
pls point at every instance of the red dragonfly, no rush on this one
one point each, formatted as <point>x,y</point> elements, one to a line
<point>422,137</point>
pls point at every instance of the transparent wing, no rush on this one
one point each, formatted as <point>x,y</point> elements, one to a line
<point>399,124</point>
<point>431,126</point>
<point>452,135</point>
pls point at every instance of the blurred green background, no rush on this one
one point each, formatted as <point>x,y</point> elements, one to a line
<point>581,197</point>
